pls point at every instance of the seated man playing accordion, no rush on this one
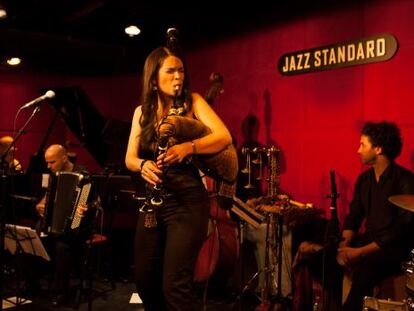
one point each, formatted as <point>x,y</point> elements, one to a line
<point>66,245</point>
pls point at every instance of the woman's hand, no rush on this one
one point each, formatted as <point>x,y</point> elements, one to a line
<point>151,172</point>
<point>175,154</point>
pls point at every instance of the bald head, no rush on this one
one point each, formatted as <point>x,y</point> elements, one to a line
<point>57,159</point>
<point>5,142</point>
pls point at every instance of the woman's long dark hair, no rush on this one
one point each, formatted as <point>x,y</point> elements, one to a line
<point>149,92</point>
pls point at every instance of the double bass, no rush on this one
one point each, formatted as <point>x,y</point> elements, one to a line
<point>219,253</point>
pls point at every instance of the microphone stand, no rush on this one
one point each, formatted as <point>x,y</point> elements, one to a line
<point>4,193</point>
<point>332,231</point>
<point>331,240</point>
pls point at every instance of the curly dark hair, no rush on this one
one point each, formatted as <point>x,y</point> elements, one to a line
<point>386,135</point>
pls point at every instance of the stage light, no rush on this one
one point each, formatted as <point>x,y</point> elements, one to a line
<point>14,61</point>
<point>3,13</point>
<point>132,31</point>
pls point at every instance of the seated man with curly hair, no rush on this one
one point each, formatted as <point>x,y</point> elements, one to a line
<point>387,239</point>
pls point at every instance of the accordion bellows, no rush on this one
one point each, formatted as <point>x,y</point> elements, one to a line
<point>72,189</point>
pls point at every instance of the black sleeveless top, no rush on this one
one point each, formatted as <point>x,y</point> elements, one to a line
<point>177,176</point>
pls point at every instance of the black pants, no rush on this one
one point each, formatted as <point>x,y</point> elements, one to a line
<point>165,256</point>
<point>370,271</point>
<point>68,254</point>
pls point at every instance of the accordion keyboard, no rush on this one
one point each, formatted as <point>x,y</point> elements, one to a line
<point>82,200</point>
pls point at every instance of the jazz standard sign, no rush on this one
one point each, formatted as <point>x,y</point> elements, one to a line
<point>363,51</point>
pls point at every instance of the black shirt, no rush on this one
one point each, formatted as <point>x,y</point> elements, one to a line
<point>385,223</point>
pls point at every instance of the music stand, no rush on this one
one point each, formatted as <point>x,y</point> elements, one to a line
<point>4,193</point>
<point>24,240</point>
<point>274,233</point>
<point>246,215</point>
<point>19,240</point>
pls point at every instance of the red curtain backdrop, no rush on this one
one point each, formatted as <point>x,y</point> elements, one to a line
<point>313,118</point>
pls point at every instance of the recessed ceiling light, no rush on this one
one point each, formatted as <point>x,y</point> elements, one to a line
<point>14,61</point>
<point>3,13</point>
<point>132,30</point>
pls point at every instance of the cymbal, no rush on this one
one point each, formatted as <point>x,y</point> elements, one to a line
<point>405,201</point>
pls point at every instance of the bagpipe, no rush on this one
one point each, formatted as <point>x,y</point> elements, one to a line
<point>221,166</point>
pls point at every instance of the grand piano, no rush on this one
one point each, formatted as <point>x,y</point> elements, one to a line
<point>104,138</point>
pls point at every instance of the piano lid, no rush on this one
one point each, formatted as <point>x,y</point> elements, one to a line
<point>106,139</point>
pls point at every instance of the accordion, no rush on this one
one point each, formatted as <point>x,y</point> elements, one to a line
<point>71,190</point>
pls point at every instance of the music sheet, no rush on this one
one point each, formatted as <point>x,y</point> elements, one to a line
<point>26,239</point>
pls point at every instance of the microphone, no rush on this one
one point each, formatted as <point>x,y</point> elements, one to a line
<point>172,38</point>
<point>48,95</point>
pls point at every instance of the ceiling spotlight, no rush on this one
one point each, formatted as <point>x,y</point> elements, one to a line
<point>132,31</point>
<point>14,61</point>
<point>3,12</point>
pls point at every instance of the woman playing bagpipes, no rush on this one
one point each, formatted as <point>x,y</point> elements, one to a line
<point>173,224</point>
